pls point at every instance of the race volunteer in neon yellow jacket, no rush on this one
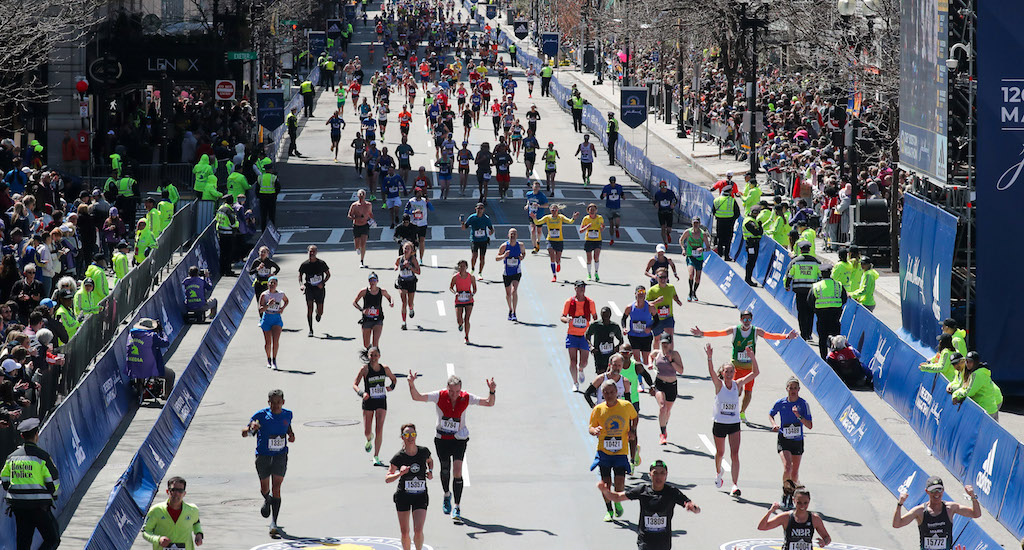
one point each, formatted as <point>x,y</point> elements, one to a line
<point>978,385</point>
<point>173,523</point>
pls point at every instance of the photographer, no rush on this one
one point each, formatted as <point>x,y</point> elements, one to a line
<point>197,291</point>
<point>143,358</point>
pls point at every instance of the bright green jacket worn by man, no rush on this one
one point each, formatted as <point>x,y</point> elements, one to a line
<point>87,303</point>
<point>941,364</point>
<point>182,532</point>
<point>210,192</point>
<point>144,242</point>
<point>751,197</point>
<point>166,210</point>
<point>172,192</point>
<point>68,319</point>
<point>99,276</point>
<point>237,184</point>
<point>980,387</point>
<point>841,274</point>
<point>865,293</point>
<point>155,220</point>
<point>120,265</point>
<point>200,171</point>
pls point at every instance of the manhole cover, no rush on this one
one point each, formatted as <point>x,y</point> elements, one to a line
<point>333,423</point>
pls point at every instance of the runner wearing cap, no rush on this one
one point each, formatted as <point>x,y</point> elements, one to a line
<point>658,500</point>
<point>664,296</point>
<point>511,253</point>
<point>935,517</point>
<point>669,364</point>
<point>744,336</point>
<point>554,222</point>
<point>370,302</point>
<point>578,312</point>
<point>272,428</point>
<point>550,167</point>
<point>612,195</point>
<point>610,422</point>
<point>660,260</point>
<point>799,524</point>
<point>726,423</point>
<point>271,304</point>
<point>694,241</point>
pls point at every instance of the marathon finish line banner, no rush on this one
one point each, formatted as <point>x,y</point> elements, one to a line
<point>890,464</point>
<point>81,427</point>
<point>633,106</point>
<point>1000,187</point>
<point>135,490</point>
<point>968,443</point>
<point>927,239</point>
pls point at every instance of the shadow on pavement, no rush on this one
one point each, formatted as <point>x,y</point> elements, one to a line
<point>294,371</point>
<point>328,336</point>
<point>537,325</point>
<point>489,528</point>
<point>686,451</point>
<point>486,346</point>
<point>421,329</point>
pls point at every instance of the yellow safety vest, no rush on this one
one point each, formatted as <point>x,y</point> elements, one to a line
<point>724,206</point>
<point>267,184</point>
<point>827,294</point>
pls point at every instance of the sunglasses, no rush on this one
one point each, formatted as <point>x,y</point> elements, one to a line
<point>175,490</point>
<point>408,435</point>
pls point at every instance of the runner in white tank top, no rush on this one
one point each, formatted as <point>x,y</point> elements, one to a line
<point>726,414</point>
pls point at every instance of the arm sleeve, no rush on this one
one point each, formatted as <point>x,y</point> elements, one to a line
<point>713,333</point>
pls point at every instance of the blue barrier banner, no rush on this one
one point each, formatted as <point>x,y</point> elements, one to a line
<point>1010,515</point>
<point>270,108</point>
<point>549,43</point>
<point>927,238</point>
<point>1000,190</point>
<point>633,106</point>
<point>139,484</point>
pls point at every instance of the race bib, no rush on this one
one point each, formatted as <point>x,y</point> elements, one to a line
<point>665,203</point>
<point>480,233</point>
<point>276,443</point>
<point>314,280</point>
<point>728,409</point>
<point>464,296</point>
<point>606,347</point>
<point>377,392</point>
<point>415,486</point>
<point>550,166</point>
<point>663,311</point>
<point>801,545</point>
<point>639,326</point>
<point>512,262</point>
<point>612,444</point>
<point>935,543</point>
<point>273,306</point>
<point>417,215</point>
<point>792,432</point>
<point>593,234</point>
<point>743,357</point>
<point>554,233</point>
<point>405,273</point>
<point>655,523</point>
<point>449,425</point>
<point>263,272</point>
<point>579,322</point>
<point>372,312</point>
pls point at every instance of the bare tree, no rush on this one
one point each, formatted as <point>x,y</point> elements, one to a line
<point>29,38</point>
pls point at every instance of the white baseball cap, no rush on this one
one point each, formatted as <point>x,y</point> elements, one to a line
<point>659,248</point>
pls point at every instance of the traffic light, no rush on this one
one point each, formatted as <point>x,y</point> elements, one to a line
<point>295,27</point>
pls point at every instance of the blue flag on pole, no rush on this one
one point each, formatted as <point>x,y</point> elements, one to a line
<point>270,105</point>
<point>633,106</point>
<point>549,43</point>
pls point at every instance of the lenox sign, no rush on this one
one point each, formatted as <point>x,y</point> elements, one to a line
<point>173,64</point>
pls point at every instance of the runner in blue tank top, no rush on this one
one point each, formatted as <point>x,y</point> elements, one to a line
<point>638,318</point>
<point>511,254</point>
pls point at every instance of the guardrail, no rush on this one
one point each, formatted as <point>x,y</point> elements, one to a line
<point>134,492</point>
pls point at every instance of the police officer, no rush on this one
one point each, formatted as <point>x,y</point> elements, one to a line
<point>576,102</point>
<point>827,297</point>
<point>227,227</point>
<point>804,271</point>
<point>724,210</point>
<point>266,193</point>
<point>512,53</point>
<point>545,79</point>
<point>30,478</point>
<point>292,122</point>
<point>328,69</point>
<point>306,89</point>
<point>613,136</point>
<point>752,232</point>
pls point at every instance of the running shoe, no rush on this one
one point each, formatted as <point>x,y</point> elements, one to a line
<point>611,242</point>
<point>274,364</point>
<point>663,439</point>
<point>270,365</point>
<point>582,377</point>
<point>446,506</point>
<point>554,279</point>
<point>743,417</point>
<point>265,509</point>
<point>590,277</point>
<point>460,328</point>
<point>377,461</point>
<point>514,318</point>
<point>718,480</point>
<point>597,277</point>
<point>373,198</point>
<point>310,333</point>
<point>510,316</point>
<point>618,509</point>
<point>636,456</point>
<point>369,444</point>
<point>689,298</point>
<point>318,317</point>
<point>457,515</point>
<point>404,327</point>
<point>274,531</point>
<point>735,491</point>
<point>608,516</point>
<point>575,387</point>
<point>412,313</point>
<point>466,340</point>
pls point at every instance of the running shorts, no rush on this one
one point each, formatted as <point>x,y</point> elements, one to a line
<point>454,449</point>
<point>590,246</point>
<point>740,373</point>
<point>662,324</point>
<point>393,202</point>
<point>407,284</point>
<point>405,502</point>
<point>724,430</point>
<point>315,294</point>
<point>502,178</point>
<point>794,446</point>
<point>612,213</point>
<point>421,231</point>
<point>696,262</point>
<point>507,279</point>
<point>271,465</point>
<point>556,245</point>
<point>577,342</point>
<point>670,389</point>
<point>368,323</point>
<point>480,246</point>
<point>360,230</point>
<point>270,320</point>
<point>375,404</point>
<point>611,463</point>
<point>665,218</point>
<point>641,343</point>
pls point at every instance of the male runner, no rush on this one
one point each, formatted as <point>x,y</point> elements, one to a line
<point>694,241</point>
<point>404,152</point>
<point>272,428</point>
<point>480,230</point>
<point>586,152</point>
<point>935,517</point>
<point>666,200</point>
<point>577,313</point>
<point>452,433</point>
<point>535,200</point>
<point>743,336</point>
<point>336,124</point>
<point>610,422</point>
<point>657,506</point>
<point>605,338</point>
<point>361,214</point>
<point>612,195</point>
<point>316,275</point>
<point>511,253</point>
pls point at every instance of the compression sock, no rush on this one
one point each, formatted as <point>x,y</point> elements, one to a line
<point>403,316</point>
<point>275,506</point>
<point>270,360</point>
<point>696,284</point>
<point>663,430</point>
<point>597,267</point>
<point>691,286</point>
<point>309,319</point>
<point>552,267</point>
<point>608,505</point>
<point>457,489</point>
<point>588,268</point>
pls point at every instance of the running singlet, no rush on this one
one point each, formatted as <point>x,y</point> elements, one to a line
<point>790,426</point>
<point>592,228</point>
<point>579,314</point>
<point>629,373</point>
<point>936,531</point>
<point>405,271</point>
<point>799,534</point>
<point>463,289</point>
<point>273,300</point>
<point>451,418</point>
<point>375,383</point>
<point>554,223</point>
<point>727,405</point>
<point>512,265</point>
<point>272,437</point>
<point>614,422</point>
<point>587,154</point>
<point>336,123</point>
<point>640,319</point>
<point>740,343</point>
<point>667,294</point>
<point>693,242</point>
<point>372,305</point>
<point>549,160</point>
<point>414,481</point>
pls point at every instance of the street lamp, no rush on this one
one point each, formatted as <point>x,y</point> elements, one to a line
<point>952,63</point>
<point>752,23</point>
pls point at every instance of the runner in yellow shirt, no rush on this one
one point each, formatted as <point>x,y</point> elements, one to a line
<point>554,222</point>
<point>610,422</point>
<point>591,228</point>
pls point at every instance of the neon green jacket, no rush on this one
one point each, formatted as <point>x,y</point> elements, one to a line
<point>200,171</point>
<point>940,364</point>
<point>155,221</point>
<point>144,240</point>
<point>841,274</point>
<point>99,276</point>
<point>172,192</point>
<point>751,196</point>
<point>166,212</point>
<point>980,387</point>
<point>210,192</point>
<point>87,303</point>
<point>159,524</point>
<point>237,184</point>
<point>865,294</point>
<point>958,341</point>
<point>120,266</point>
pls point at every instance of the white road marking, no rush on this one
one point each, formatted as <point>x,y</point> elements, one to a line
<point>436,234</point>
<point>634,234</point>
<point>433,260</point>
<point>335,236</point>
<point>583,261</point>
<point>316,196</point>
<point>387,235</point>
<point>440,310</point>
<point>450,366</point>
<point>615,309</point>
<point>711,449</point>
<point>285,237</point>
<point>281,197</point>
